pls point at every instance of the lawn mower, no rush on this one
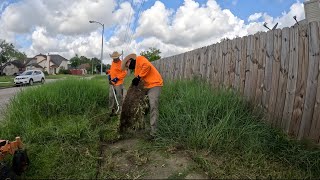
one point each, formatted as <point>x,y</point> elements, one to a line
<point>20,160</point>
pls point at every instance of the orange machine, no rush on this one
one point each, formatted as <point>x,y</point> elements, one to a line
<point>20,159</point>
<point>7,147</point>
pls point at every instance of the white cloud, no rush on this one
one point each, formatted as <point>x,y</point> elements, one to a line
<point>58,16</point>
<point>255,17</point>
<point>191,25</point>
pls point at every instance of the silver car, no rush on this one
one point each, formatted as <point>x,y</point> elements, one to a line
<point>29,77</point>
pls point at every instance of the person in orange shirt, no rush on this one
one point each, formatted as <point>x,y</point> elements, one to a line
<point>116,77</point>
<point>144,70</point>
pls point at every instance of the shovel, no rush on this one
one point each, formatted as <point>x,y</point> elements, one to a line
<point>115,97</point>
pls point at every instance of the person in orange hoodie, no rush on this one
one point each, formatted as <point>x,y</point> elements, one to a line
<point>116,77</point>
<point>145,71</point>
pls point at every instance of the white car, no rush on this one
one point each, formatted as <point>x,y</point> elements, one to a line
<point>29,77</point>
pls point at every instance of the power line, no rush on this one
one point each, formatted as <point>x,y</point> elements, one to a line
<point>138,17</point>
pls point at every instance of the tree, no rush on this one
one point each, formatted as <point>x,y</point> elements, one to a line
<point>75,61</point>
<point>104,67</point>
<point>8,53</point>
<point>152,54</point>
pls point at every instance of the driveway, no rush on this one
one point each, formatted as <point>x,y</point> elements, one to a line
<point>8,93</point>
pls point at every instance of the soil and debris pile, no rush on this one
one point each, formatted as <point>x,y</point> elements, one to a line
<point>134,108</point>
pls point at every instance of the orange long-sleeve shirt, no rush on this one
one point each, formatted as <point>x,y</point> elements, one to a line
<point>148,73</point>
<point>115,71</point>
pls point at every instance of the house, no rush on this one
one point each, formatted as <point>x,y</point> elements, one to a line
<point>41,62</point>
<point>14,67</point>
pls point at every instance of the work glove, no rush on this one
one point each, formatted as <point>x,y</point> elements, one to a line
<point>109,78</point>
<point>136,81</point>
<point>115,80</point>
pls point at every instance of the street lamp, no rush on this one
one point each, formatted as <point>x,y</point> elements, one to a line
<point>101,42</point>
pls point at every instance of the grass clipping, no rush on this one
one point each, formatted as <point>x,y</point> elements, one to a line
<point>134,108</point>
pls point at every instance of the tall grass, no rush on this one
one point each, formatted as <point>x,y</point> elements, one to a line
<point>198,117</point>
<point>60,123</point>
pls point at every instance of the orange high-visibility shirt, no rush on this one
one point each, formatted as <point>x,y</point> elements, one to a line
<point>148,73</point>
<point>115,71</point>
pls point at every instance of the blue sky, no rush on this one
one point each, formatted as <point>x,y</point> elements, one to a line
<point>241,8</point>
<point>56,26</point>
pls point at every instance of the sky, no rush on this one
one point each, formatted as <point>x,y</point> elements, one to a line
<point>173,26</point>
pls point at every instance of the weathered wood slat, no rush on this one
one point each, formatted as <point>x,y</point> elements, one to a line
<point>255,55</point>
<point>201,60</point>
<point>243,63</point>
<point>249,67</point>
<point>233,59</point>
<point>283,77</point>
<point>197,63</point>
<point>183,64</point>
<point>209,64</point>
<point>189,65</point>
<point>268,72</point>
<point>301,81</point>
<point>237,63</point>
<point>228,64</point>
<point>261,65</point>
<point>216,66</point>
<point>173,69</point>
<point>311,127</point>
<point>275,75</point>
<point>312,80</point>
<point>225,63</point>
<point>221,64</point>
<point>292,77</point>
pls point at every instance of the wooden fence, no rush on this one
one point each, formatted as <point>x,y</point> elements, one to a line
<point>277,70</point>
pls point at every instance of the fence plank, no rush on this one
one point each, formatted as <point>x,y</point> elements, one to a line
<point>183,66</point>
<point>268,72</point>
<point>237,63</point>
<point>216,66</point>
<point>261,66</point>
<point>275,74</point>
<point>189,65</point>
<point>255,56</point>
<point>243,63</point>
<point>283,77</point>
<point>292,77</point>
<point>313,128</point>
<point>225,63</point>
<point>233,63</point>
<point>209,64</point>
<point>228,65</point>
<point>202,58</point>
<point>249,67</point>
<point>301,81</point>
<point>221,64</point>
<point>312,80</point>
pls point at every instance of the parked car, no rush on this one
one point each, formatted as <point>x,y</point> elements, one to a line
<point>29,77</point>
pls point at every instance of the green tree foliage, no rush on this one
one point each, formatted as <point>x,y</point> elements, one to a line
<point>75,61</point>
<point>152,54</point>
<point>9,53</point>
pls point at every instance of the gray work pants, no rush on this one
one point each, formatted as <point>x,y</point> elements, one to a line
<point>153,95</point>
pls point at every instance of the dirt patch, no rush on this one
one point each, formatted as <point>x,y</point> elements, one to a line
<point>136,158</point>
